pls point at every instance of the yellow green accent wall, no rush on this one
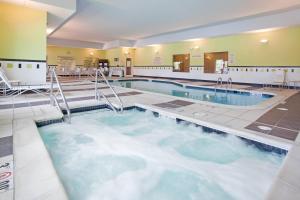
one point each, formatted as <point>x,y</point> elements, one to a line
<point>79,54</point>
<point>283,49</point>
<point>22,32</point>
<point>121,54</point>
<point>111,54</point>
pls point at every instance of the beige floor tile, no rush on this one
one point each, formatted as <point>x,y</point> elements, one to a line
<point>237,123</point>
<point>283,191</point>
<point>295,152</point>
<point>8,195</point>
<point>290,172</point>
<point>220,119</point>
<point>235,113</point>
<point>6,130</point>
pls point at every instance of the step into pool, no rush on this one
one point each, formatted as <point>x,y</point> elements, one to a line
<point>137,155</point>
<point>221,96</point>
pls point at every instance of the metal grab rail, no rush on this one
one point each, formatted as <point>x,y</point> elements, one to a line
<point>219,81</point>
<point>53,99</point>
<point>98,93</point>
<point>229,82</point>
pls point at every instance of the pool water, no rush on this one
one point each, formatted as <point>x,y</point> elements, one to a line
<point>198,93</point>
<point>137,156</point>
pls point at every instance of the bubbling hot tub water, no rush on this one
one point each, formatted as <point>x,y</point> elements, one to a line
<point>134,156</point>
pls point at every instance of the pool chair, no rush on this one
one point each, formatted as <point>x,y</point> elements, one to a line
<point>281,79</point>
<point>42,89</point>
<point>15,90</point>
<point>295,83</point>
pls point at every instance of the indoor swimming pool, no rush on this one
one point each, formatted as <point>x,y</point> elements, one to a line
<point>229,97</point>
<point>137,155</point>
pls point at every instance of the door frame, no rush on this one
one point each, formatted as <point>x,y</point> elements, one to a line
<point>207,61</point>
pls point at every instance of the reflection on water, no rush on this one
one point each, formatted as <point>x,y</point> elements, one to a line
<point>222,97</point>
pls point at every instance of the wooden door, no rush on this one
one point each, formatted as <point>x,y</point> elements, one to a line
<point>210,60</point>
<point>184,60</point>
<point>128,66</point>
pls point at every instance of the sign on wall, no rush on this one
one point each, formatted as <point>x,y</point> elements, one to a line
<point>65,62</point>
<point>231,58</point>
<point>157,60</point>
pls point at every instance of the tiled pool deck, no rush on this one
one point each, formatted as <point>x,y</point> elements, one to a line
<point>34,176</point>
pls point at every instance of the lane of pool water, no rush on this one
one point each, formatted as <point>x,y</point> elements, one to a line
<point>197,93</point>
<point>138,156</point>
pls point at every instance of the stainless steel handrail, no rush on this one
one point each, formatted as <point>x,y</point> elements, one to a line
<point>53,96</point>
<point>98,92</point>
<point>229,82</point>
<point>107,100</point>
<point>219,81</point>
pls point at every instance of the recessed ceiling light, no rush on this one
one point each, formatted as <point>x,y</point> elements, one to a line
<point>49,30</point>
<point>193,40</point>
<point>153,45</point>
<point>264,41</point>
<point>264,30</point>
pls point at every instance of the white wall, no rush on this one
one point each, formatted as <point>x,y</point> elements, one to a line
<point>25,74</point>
<point>241,76</point>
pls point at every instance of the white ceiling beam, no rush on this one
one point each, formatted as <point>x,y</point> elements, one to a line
<point>74,43</point>
<point>275,20</point>
<point>119,43</point>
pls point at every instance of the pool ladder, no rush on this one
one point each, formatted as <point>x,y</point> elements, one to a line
<point>229,83</point>
<point>220,82</point>
<point>99,93</point>
<point>53,96</point>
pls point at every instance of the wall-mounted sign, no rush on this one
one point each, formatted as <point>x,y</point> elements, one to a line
<point>157,60</point>
<point>6,176</point>
<point>231,58</point>
<point>65,62</point>
<point>116,61</point>
<point>88,62</point>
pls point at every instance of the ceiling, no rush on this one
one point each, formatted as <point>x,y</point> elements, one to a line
<point>114,23</point>
<point>107,20</point>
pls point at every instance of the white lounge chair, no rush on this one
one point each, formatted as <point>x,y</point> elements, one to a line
<point>16,90</point>
<point>281,78</point>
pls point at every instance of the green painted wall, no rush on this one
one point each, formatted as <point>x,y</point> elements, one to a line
<point>121,54</point>
<point>79,54</point>
<point>114,53</point>
<point>283,49</point>
<point>22,33</point>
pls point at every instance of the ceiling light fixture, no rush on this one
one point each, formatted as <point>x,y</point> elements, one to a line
<point>264,41</point>
<point>153,45</point>
<point>264,30</point>
<point>49,30</point>
<point>193,40</point>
